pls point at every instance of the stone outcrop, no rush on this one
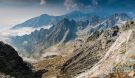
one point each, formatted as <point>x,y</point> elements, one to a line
<point>12,65</point>
<point>110,50</point>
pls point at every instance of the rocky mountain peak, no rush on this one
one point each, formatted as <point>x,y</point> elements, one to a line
<point>122,16</point>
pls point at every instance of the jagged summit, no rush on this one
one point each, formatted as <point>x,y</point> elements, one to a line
<point>120,16</point>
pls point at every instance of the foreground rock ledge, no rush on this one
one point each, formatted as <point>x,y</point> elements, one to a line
<point>12,65</point>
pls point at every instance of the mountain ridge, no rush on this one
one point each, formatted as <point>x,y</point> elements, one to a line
<point>45,20</point>
<point>64,31</point>
<point>47,38</point>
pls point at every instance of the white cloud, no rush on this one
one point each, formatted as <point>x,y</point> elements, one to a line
<point>6,33</point>
<point>79,5</point>
<point>70,4</point>
<point>42,2</point>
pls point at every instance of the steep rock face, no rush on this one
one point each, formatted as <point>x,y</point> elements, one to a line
<point>64,31</point>
<point>89,53</point>
<point>97,57</point>
<point>12,65</point>
<point>119,57</point>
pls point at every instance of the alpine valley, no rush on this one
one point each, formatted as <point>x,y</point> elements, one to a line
<point>79,45</point>
<point>76,44</point>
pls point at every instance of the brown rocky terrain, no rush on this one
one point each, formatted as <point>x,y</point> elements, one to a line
<point>105,54</point>
<point>99,53</point>
<point>84,60</point>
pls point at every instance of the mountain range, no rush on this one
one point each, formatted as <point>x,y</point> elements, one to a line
<point>47,20</point>
<point>77,46</point>
<point>66,30</point>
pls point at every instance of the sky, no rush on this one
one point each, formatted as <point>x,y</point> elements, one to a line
<point>13,12</point>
